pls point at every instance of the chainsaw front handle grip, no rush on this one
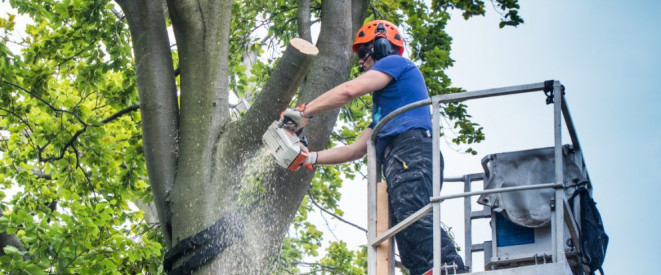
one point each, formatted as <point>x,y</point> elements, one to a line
<point>293,116</point>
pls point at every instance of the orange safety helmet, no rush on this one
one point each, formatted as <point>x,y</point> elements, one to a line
<point>368,32</point>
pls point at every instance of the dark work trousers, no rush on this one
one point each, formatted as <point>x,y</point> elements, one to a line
<point>408,171</point>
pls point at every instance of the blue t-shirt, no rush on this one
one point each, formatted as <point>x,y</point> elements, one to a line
<point>407,86</point>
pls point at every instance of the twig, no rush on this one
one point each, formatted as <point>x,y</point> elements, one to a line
<point>76,54</point>
<point>497,9</point>
<point>71,141</point>
<point>35,95</point>
<point>332,214</point>
<point>19,118</point>
<point>75,253</point>
<point>87,178</point>
<point>377,15</point>
<point>63,150</point>
<point>315,264</point>
<point>365,103</point>
<point>328,226</point>
<point>121,113</point>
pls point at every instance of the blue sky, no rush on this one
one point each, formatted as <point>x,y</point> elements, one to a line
<point>606,53</point>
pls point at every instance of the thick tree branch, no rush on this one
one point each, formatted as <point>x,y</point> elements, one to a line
<point>158,101</point>
<point>276,94</point>
<point>331,67</point>
<point>202,31</point>
<point>303,20</point>
<point>201,28</point>
<point>358,14</point>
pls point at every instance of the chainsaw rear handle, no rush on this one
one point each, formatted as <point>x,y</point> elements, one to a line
<point>302,158</point>
<point>298,161</point>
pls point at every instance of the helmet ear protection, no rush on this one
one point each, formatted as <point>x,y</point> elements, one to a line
<point>382,46</point>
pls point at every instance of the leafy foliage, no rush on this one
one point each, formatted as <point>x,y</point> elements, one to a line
<point>70,143</point>
<point>75,166</point>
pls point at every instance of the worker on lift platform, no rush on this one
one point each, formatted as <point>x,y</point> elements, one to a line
<point>403,146</point>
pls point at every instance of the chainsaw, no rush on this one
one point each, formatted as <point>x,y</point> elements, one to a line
<point>286,147</point>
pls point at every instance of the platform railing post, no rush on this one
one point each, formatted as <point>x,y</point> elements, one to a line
<point>468,229</point>
<point>436,173</point>
<point>558,244</point>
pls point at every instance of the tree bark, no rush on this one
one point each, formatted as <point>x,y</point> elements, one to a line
<point>158,101</point>
<point>9,240</point>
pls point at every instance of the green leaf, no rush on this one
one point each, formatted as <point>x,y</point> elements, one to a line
<point>34,269</point>
<point>10,250</point>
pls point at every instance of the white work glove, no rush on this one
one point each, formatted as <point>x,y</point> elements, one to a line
<point>311,161</point>
<point>295,116</point>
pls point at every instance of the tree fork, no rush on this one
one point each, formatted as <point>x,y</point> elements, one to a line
<point>270,219</point>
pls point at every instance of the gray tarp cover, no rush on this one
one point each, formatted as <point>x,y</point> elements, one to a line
<point>530,208</point>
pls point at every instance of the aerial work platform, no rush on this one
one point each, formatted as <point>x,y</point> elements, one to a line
<point>525,197</point>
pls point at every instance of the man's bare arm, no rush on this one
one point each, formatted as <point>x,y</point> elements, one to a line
<point>346,153</point>
<point>346,92</point>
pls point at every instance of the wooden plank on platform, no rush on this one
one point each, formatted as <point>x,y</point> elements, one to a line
<point>384,252</point>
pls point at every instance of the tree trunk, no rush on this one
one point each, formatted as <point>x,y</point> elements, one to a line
<point>222,172</point>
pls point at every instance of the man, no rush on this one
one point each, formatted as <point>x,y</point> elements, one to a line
<point>404,145</point>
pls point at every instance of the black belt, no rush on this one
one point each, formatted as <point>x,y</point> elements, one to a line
<point>421,133</point>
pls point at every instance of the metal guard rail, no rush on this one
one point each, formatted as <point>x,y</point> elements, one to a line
<point>560,107</point>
